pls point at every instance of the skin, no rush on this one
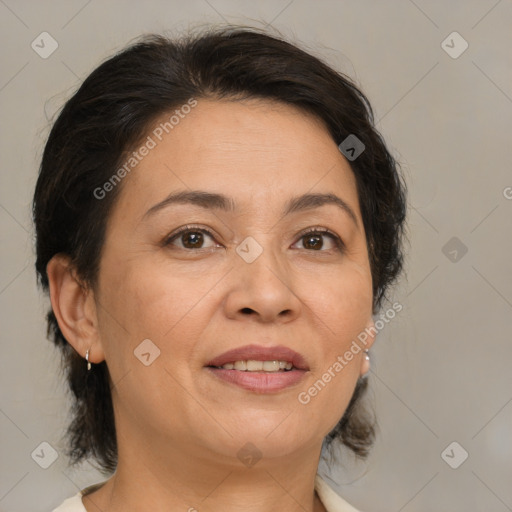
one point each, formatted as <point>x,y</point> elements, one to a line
<point>179,428</point>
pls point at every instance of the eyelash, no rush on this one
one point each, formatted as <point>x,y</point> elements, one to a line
<point>314,230</point>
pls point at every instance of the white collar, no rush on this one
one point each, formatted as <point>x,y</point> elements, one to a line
<point>329,498</point>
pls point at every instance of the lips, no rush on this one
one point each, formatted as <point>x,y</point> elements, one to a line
<point>260,353</point>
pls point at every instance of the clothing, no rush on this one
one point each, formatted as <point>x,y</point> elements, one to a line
<point>331,501</point>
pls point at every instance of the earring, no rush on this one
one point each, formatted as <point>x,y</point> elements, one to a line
<point>367,358</point>
<point>87,359</point>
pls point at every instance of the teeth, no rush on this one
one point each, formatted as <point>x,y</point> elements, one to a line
<point>240,365</point>
<point>257,366</point>
<point>270,366</point>
<point>254,366</point>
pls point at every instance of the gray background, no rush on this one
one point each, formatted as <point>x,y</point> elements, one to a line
<point>441,368</point>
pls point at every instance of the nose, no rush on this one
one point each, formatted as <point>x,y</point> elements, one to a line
<point>263,290</point>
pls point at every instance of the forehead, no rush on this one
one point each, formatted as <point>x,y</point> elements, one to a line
<point>258,128</point>
<point>250,149</point>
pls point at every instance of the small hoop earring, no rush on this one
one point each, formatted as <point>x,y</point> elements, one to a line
<point>87,359</point>
<point>367,357</point>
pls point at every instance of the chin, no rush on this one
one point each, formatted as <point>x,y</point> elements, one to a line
<point>274,436</point>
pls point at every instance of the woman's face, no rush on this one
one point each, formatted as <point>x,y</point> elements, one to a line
<point>167,306</point>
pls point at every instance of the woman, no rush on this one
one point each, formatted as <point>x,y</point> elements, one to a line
<point>217,221</point>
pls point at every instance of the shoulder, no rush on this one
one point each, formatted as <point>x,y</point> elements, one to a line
<point>73,504</point>
<point>330,499</point>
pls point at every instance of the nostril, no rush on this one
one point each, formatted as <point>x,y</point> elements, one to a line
<point>247,311</point>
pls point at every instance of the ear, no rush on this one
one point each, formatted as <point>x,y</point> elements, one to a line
<point>371,331</point>
<point>74,307</point>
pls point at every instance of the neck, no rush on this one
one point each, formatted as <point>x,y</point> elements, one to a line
<point>188,479</point>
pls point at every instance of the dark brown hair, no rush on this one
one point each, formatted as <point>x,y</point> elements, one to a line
<point>114,109</point>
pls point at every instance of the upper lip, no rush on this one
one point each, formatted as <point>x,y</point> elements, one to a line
<point>260,353</point>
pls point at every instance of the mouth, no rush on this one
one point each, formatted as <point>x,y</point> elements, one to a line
<point>253,365</point>
<point>259,369</point>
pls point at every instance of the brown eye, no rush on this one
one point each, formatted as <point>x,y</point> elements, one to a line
<point>190,238</point>
<point>314,240</point>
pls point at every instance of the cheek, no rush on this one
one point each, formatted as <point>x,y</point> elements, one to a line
<point>342,307</point>
<point>342,300</point>
<point>149,300</point>
<point>149,324</point>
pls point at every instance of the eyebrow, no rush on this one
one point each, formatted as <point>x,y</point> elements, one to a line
<point>211,200</point>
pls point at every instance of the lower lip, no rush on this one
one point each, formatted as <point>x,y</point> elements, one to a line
<point>259,382</point>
